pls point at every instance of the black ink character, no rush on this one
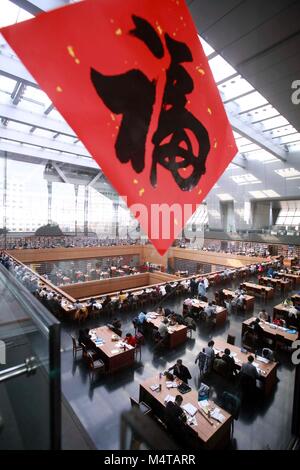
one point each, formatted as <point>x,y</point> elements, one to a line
<point>175,120</point>
<point>132,94</point>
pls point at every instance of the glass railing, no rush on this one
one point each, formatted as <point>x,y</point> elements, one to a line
<point>30,413</point>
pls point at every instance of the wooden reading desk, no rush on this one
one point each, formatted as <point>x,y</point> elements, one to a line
<point>284,284</point>
<point>267,370</point>
<point>177,333</point>
<point>271,331</point>
<point>209,433</point>
<point>294,278</point>
<point>249,298</point>
<point>220,315</point>
<point>250,287</point>
<point>112,353</point>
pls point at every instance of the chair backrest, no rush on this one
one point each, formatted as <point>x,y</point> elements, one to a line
<point>278,338</point>
<point>139,339</point>
<point>268,354</point>
<point>220,367</point>
<point>90,359</point>
<point>74,341</point>
<point>232,404</point>
<point>231,339</point>
<point>134,403</point>
<point>203,393</point>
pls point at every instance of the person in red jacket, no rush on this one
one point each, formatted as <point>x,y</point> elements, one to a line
<point>130,339</point>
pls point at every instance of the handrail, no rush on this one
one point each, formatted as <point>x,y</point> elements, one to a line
<point>43,280</point>
<point>114,293</point>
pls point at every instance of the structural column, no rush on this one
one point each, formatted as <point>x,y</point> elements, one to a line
<point>271,214</point>
<point>49,186</point>
<point>86,210</point>
<point>116,218</point>
<point>76,186</point>
<point>4,200</point>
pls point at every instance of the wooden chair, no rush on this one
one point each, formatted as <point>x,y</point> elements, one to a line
<point>142,406</point>
<point>138,350</point>
<point>231,339</point>
<point>95,365</point>
<point>232,404</point>
<point>279,342</point>
<point>190,331</point>
<point>76,347</point>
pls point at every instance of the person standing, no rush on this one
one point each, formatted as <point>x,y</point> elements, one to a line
<point>201,290</point>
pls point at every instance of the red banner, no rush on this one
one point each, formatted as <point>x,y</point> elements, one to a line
<point>132,80</point>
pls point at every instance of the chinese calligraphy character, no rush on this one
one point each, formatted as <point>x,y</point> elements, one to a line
<point>178,132</point>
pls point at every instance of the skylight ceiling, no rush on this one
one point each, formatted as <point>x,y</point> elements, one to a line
<point>11,13</point>
<point>220,68</point>
<point>260,114</point>
<point>225,197</point>
<point>7,85</point>
<point>288,173</point>
<point>264,193</point>
<point>251,105</point>
<point>244,179</point>
<point>234,88</point>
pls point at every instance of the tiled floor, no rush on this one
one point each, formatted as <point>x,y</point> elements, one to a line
<point>265,424</point>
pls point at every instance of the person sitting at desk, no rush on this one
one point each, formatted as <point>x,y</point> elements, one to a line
<point>174,414</point>
<point>206,283</point>
<point>181,371</point>
<point>240,290</point>
<point>167,312</point>
<point>130,298</point>
<point>141,318</point>
<point>77,305</point>
<point>249,369</point>
<point>287,302</point>
<point>122,296</point>
<point>270,272</point>
<point>106,301</point>
<point>94,304</point>
<point>172,319</point>
<point>163,290</point>
<point>189,322</point>
<point>168,288</point>
<point>84,336</point>
<point>116,324</point>
<point>230,362</point>
<point>240,302</point>
<point>209,310</point>
<point>263,315</point>
<point>293,311</point>
<point>130,339</point>
<point>258,330</point>
<point>220,296</point>
<point>163,329</point>
<point>193,287</point>
<point>160,311</point>
<point>279,322</point>
<point>139,322</point>
<point>228,305</point>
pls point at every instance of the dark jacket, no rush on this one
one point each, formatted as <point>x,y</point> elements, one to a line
<point>174,415</point>
<point>181,372</point>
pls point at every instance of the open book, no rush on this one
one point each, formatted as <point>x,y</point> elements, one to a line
<point>190,409</point>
